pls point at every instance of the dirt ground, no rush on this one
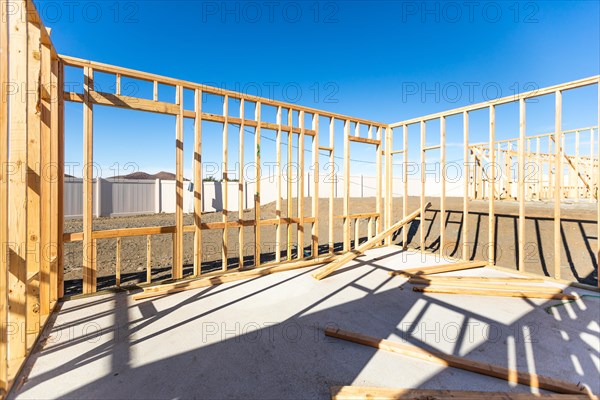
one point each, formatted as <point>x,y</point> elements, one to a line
<point>578,228</point>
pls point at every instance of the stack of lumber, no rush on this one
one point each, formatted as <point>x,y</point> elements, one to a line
<point>486,286</point>
<point>524,287</point>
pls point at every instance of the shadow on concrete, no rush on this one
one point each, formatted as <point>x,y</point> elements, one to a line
<point>243,357</point>
<point>577,266</point>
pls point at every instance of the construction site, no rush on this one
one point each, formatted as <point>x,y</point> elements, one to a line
<point>448,274</point>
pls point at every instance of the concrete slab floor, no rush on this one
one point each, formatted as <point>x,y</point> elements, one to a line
<point>263,338</point>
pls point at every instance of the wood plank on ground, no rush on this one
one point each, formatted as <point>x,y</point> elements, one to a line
<point>220,278</point>
<point>499,293</point>
<point>476,279</point>
<point>376,393</point>
<point>496,371</point>
<point>437,269</point>
<point>486,285</point>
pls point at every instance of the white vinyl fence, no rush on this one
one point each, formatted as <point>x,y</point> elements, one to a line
<point>122,197</point>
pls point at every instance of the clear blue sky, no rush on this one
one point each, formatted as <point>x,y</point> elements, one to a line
<point>385,61</point>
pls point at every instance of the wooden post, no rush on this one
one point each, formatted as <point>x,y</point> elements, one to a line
<point>118,84</point>
<point>89,275</point>
<point>594,180</point>
<point>346,185</point>
<point>174,242</point>
<point>118,264</point>
<point>443,185</point>
<point>356,220</point>
<point>148,258</point>
<point>225,185</point>
<point>577,167</point>
<point>17,181</point>
<point>550,168</point>
<point>33,184</point>
<point>508,166</point>
<point>379,183</point>
<point>279,166</point>
<point>564,190</point>
<point>405,183</point>
<point>332,182</point>
<point>528,187</point>
<point>4,149</point>
<point>61,181</point>
<point>389,181</point>
<point>422,197</point>
<point>558,154</point>
<point>198,183</point>
<point>178,256</point>
<point>567,188</point>
<point>257,210</point>
<point>509,177</point>
<point>56,202</point>
<point>241,187</point>
<point>300,185</point>
<point>540,169</point>
<point>465,238</point>
<point>521,184</point>
<point>470,174</point>
<point>499,173</point>
<point>475,174</point>
<point>290,209</point>
<point>480,184</point>
<point>315,192</point>
<point>371,220</point>
<point>492,187</point>
<point>45,187</point>
<point>94,257</point>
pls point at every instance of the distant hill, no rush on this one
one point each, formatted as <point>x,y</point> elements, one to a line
<point>168,176</point>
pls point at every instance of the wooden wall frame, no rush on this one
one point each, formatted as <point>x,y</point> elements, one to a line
<point>31,184</point>
<point>32,214</point>
<point>296,116</point>
<point>476,177</point>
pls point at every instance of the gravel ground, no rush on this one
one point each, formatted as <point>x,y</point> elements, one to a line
<point>578,239</point>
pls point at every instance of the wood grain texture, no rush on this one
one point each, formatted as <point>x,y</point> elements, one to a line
<point>496,371</point>
<point>530,294</point>
<point>437,269</point>
<point>378,393</point>
<point>4,143</point>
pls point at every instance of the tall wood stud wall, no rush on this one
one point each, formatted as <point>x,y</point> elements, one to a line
<point>31,157</point>
<point>483,179</point>
<point>296,131</point>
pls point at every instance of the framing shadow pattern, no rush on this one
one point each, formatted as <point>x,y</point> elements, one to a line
<point>232,341</point>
